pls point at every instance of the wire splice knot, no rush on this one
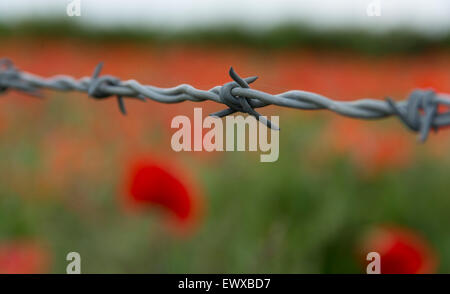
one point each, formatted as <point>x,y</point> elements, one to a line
<point>419,112</point>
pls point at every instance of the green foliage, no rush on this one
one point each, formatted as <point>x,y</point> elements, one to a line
<point>400,41</point>
<point>292,216</point>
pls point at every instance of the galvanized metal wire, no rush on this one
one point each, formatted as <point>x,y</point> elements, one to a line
<point>419,113</point>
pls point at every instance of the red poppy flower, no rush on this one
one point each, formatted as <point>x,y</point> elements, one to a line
<point>153,183</point>
<point>401,251</point>
<point>23,258</point>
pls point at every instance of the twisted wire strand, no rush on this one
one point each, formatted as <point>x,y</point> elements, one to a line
<point>419,113</point>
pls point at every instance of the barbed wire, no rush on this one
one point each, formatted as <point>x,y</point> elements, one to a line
<point>419,113</point>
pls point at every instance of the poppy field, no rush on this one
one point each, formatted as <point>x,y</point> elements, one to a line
<point>77,175</point>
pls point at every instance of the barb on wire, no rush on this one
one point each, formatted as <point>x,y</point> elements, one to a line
<point>239,103</point>
<point>419,113</point>
<point>96,91</point>
<point>10,78</point>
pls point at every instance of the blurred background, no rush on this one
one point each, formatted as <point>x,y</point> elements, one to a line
<point>76,175</point>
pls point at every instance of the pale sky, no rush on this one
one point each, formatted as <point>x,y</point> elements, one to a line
<point>428,16</point>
